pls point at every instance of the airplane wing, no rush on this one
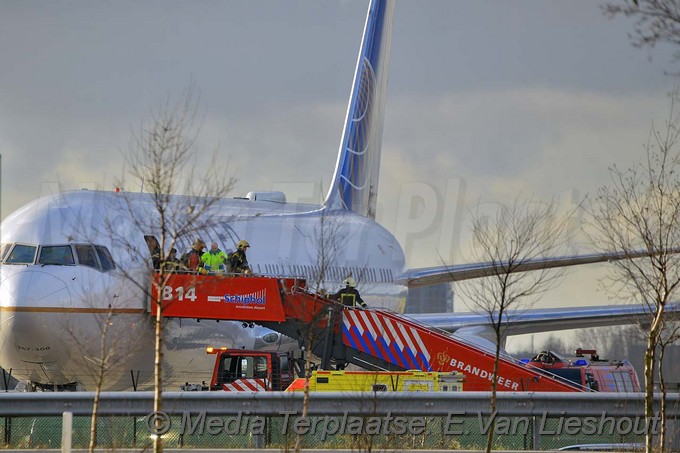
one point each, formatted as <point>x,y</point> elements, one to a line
<point>527,321</point>
<point>545,320</point>
<point>425,276</point>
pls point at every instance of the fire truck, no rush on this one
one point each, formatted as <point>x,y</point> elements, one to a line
<point>594,374</point>
<point>238,370</point>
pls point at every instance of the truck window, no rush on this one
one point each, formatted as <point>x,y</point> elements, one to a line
<point>229,370</point>
<point>252,367</point>
<point>622,381</point>
<point>260,367</point>
<point>285,364</point>
<point>246,367</point>
<point>240,367</point>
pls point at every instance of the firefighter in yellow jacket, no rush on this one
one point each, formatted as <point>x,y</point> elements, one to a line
<point>214,260</point>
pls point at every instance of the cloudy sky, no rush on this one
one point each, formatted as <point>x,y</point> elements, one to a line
<point>487,101</point>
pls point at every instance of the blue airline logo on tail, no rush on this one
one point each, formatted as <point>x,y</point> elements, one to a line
<point>355,182</point>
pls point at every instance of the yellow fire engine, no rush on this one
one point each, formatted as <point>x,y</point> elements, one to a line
<point>380,381</point>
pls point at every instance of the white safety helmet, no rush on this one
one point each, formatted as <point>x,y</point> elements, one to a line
<point>349,281</point>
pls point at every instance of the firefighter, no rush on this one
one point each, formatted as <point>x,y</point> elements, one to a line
<point>171,261</point>
<point>191,260</point>
<point>214,260</point>
<point>155,251</point>
<point>238,263</point>
<point>349,295</point>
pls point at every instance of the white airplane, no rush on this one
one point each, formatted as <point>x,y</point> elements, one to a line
<point>67,260</point>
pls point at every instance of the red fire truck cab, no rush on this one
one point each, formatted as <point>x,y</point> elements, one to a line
<point>246,370</point>
<point>594,374</point>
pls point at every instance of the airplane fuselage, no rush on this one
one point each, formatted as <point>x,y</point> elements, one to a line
<point>52,316</point>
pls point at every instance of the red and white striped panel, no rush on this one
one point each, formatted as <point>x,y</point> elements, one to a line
<point>372,323</point>
<point>246,385</point>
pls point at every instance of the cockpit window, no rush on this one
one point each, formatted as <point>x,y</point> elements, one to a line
<point>104,258</point>
<point>94,256</point>
<point>22,254</point>
<point>61,255</point>
<point>86,256</point>
<point>3,251</point>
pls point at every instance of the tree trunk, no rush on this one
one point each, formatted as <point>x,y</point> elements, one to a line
<point>308,373</point>
<point>95,410</point>
<point>100,382</point>
<point>494,383</point>
<point>662,407</point>
<point>650,355</point>
<point>158,378</point>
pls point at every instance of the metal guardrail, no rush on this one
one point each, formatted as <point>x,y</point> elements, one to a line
<point>335,403</point>
<point>272,419</point>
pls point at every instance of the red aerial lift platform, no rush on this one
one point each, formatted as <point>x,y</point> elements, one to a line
<point>370,338</point>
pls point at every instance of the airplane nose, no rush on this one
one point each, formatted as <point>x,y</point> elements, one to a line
<point>33,290</point>
<point>29,300</point>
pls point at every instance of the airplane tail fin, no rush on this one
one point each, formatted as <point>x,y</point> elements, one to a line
<point>355,182</point>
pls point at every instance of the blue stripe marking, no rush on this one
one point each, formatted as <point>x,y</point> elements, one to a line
<point>409,362</point>
<point>424,362</point>
<point>404,362</point>
<point>392,359</point>
<point>420,360</point>
<point>364,346</point>
<point>348,335</point>
<point>377,349</point>
<point>414,362</point>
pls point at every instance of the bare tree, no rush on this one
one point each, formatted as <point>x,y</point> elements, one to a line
<point>656,21</point>
<point>517,235</point>
<point>101,355</point>
<point>163,159</point>
<point>641,209</point>
<point>100,361</point>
